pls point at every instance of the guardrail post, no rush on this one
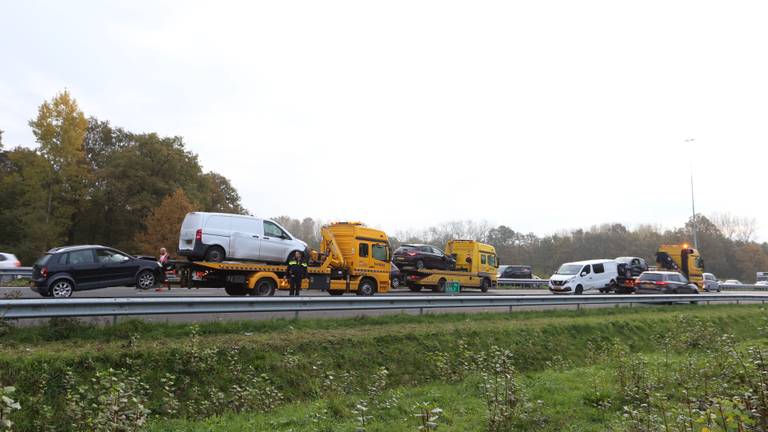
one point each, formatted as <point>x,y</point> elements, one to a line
<point>421,311</point>
<point>296,315</point>
<point>114,320</point>
<point>510,308</point>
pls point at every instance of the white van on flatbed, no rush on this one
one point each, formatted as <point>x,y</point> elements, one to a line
<point>582,276</point>
<point>216,237</point>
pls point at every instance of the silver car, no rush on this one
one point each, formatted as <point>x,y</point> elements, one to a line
<point>711,283</point>
<point>8,261</point>
<point>222,236</point>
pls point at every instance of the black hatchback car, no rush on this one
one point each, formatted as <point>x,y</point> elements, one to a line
<point>664,282</point>
<point>64,270</point>
<point>422,256</point>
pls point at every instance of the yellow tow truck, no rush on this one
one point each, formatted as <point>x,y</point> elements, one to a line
<point>352,258</point>
<point>476,265</point>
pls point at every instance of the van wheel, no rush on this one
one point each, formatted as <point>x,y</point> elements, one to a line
<point>367,287</point>
<point>263,287</point>
<point>214,254</point>
<point>440,287</point>
<point>395,283</point>
<point>485,285</point>
<point>579,290</point>
<point>290,256</point>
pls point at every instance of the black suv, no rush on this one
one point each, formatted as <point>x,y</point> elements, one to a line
<point>664,282</point>
<point>422,256</point>
<point>515,272</point>
<point>64,270</point>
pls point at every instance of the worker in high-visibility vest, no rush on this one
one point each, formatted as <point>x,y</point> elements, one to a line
<point>297,271</point>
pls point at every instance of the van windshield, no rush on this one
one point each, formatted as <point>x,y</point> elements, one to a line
<point>568,269</point>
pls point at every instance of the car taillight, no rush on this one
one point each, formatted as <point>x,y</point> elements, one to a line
<point>44,272</point>
<point>661,283</point>
<point>411,253</point>
<point>199,234</point>
<point>18,263</point>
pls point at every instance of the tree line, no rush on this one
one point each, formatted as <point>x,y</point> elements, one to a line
<point>89,182</point>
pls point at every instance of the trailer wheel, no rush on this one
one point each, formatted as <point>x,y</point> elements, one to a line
<point>235,289</point>
<point>264,287</point>
<point>485,285</point>
<point>367,287</point>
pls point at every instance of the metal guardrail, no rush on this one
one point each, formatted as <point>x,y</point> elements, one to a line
<point>502,282</point>
<point>47,308</point>
<point>743,287</point>
<point>16,271</point>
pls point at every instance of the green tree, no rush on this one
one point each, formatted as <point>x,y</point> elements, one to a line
<point>60,129</point>
<point>163,224</point>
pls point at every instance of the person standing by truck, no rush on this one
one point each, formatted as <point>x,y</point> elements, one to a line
<point>297,271</point>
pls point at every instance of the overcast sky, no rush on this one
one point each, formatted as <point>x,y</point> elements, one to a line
<point>540,115</point>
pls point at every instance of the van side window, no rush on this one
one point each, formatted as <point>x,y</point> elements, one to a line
<point>599,268</point>
<point>380,252</point>
<point>272,230</point>
<point>363,250</point>
<point>586,269</point>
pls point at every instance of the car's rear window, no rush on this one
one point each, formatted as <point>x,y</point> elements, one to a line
<point>653,277</point>
<point>43,260</point>
<point>405,248</point>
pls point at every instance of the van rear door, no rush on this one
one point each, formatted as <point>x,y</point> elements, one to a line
<point>192,221</point>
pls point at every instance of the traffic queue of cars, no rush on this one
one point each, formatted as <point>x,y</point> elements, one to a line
<point>216,237</point>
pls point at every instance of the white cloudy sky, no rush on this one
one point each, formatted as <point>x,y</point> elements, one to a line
<point>537,114</point>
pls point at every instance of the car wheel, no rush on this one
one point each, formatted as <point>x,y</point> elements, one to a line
<point>579,290</point>
<point>485,285</point>
<point>419,265</point>
<point>145,280</point>
<point>264,287</point>
<point>414,288</point>
<point>61,288</point>
<point>214,254</point>
<point>335,292</point>
<point>366,288</point>
<point>395,282</point>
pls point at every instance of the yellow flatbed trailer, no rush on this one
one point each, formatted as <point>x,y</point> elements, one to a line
<point>436,280</point>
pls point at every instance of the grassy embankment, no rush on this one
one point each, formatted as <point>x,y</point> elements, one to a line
<point>311,374</point>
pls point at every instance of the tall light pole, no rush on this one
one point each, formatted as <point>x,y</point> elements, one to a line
<point>693,203</point>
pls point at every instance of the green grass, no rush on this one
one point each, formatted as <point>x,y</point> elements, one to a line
<point>404,344</point>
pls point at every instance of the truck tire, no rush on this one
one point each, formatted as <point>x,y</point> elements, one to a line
<point>485,285</point>
<point>214,254</point>
<point>235,289</point>
<point>367,287</point>
<point>264,287</point>
<point>335,292</point>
